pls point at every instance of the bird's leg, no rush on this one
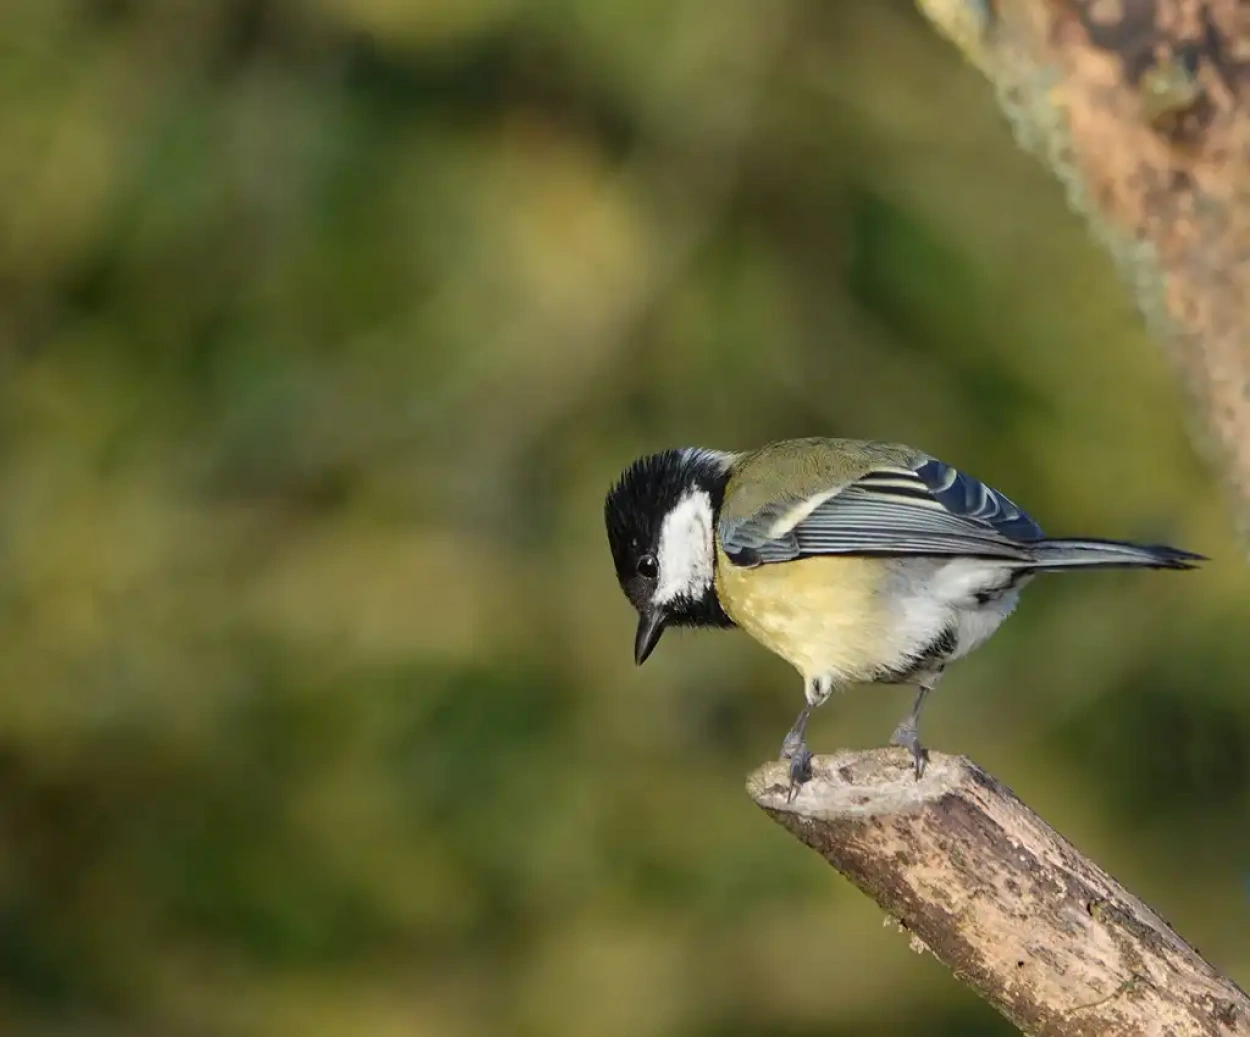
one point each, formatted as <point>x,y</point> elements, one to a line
<point>794,748</point>
<point>907,734</point>
<point>794,745</point>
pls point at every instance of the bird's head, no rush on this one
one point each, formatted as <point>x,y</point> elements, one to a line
<point>660,517</point>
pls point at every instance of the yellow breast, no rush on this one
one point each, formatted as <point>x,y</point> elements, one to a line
<point>822,615</point>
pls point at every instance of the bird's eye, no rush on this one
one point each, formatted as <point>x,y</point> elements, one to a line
<point>648,567</point>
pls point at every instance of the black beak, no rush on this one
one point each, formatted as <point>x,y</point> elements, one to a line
<point>650,627</point>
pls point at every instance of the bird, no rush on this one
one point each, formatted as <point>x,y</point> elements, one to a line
<point>856,561</point>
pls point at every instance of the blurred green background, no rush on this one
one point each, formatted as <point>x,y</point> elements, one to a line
<point>324,327</point>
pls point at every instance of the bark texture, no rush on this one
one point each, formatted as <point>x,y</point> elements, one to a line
<point>1040,931</point>
<point>1141,108</point>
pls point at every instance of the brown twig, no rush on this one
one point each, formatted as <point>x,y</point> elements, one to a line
<point>1010,906</point>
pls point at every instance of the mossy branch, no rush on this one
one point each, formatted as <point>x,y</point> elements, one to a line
<point>1010,906</point>
<point>1140,108</point>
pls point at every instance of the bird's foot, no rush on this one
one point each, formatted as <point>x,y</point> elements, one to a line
<point>906,736</point>
<point>794,749</point>
<point>800,772</point>
<point>792,743</point>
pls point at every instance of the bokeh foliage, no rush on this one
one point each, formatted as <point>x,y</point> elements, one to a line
<point>325,326</point>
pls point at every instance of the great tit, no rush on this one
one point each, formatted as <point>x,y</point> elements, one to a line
<point>857,562</point>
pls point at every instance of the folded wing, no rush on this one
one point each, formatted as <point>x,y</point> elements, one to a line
<point>931,509</point>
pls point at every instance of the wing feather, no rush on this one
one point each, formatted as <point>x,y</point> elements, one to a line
<point>932,509</point>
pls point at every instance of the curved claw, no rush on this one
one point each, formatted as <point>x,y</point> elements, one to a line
<point>906,737</point>
<point>800,771</point>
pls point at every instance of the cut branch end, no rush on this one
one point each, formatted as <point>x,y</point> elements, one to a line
<point>1017,912</point>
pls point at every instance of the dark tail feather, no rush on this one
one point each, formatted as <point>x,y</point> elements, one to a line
<point>1110,554</point>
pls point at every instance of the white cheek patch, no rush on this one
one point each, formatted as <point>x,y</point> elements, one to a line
<point>685,553</point>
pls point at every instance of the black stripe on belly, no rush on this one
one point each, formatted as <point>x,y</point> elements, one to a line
<point>929,659</point>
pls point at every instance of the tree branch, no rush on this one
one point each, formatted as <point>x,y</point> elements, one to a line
<point>1009,905</point>
<point>1140,108</point>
